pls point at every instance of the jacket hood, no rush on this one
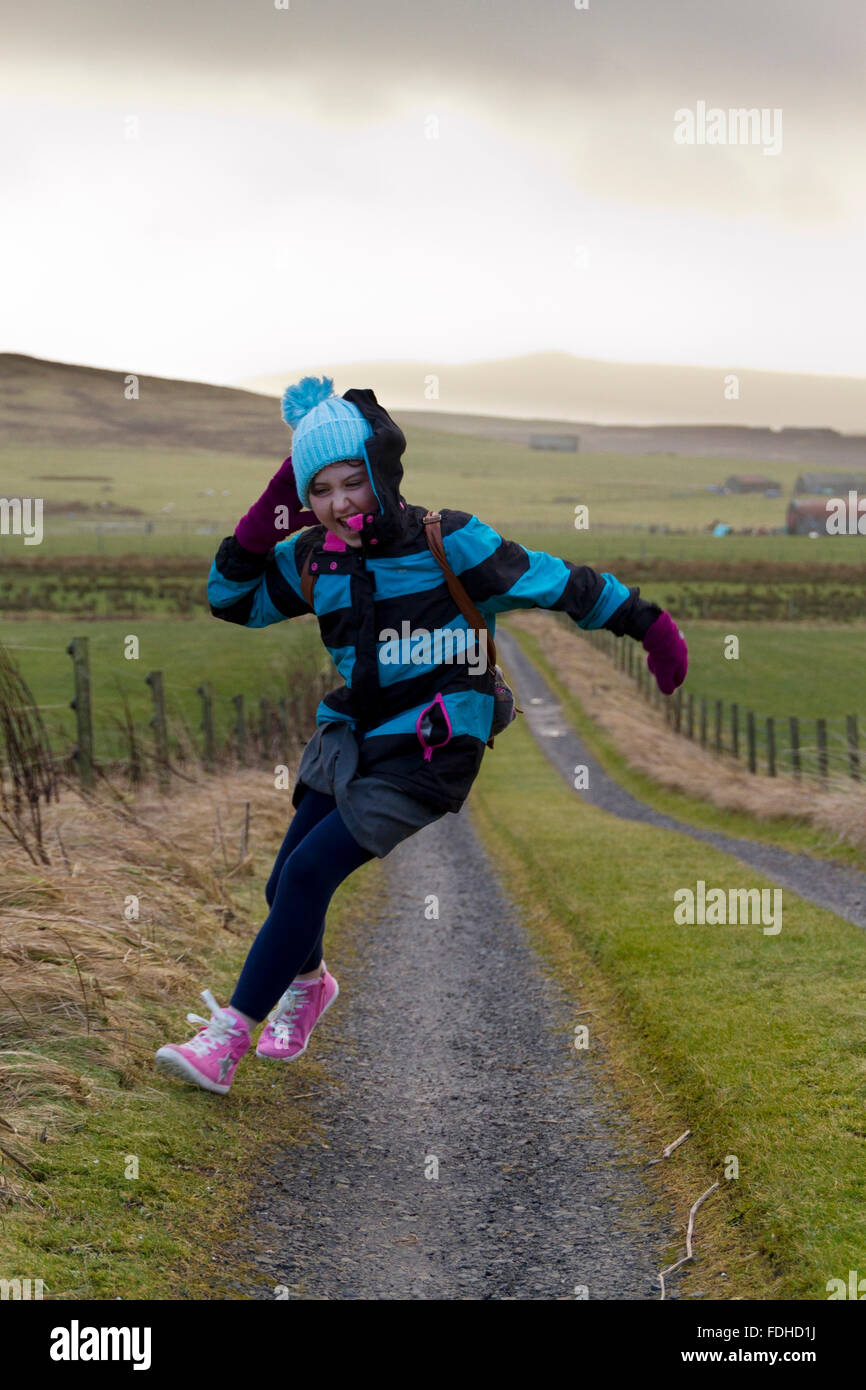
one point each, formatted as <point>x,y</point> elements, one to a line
<point>383,452</point>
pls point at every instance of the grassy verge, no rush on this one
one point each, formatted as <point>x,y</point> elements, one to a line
<point>789,832</point>
<point>753,1041</point>
<point>118,1182</point>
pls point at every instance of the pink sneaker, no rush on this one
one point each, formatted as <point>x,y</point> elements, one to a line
<point>294,1017</point>
<point>209,1059</point>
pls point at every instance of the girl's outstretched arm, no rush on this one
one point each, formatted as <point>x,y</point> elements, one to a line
<point>500,575</point>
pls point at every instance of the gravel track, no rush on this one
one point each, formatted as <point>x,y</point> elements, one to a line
<point>452,1042</point>
<point>449,1039</point>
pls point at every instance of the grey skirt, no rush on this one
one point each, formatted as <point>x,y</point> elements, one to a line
<point>376,813</point>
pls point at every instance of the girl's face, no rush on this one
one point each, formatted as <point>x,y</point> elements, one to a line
<point>340,490</point>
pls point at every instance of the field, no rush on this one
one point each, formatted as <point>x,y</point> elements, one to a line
<point>757,1044</point>
<point>797,604</point>
<point>505,484</point>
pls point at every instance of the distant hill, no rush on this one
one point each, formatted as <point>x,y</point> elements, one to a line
<point>559,386</point>
<point>821,448</point>
<point>55,404</point>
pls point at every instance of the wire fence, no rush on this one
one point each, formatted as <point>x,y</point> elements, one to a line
<point>825,750</point>
<point>234,730</point>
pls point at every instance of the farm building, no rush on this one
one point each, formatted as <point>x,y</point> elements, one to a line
<point>750,482</point>
<point>831,484</point>
<point>568,443</point>
<point>807,514</point>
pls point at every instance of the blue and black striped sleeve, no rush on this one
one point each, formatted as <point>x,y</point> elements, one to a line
<point>255,590</point>
<point>500,575</point>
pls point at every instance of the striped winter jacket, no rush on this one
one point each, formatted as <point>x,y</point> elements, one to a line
<point>364,595</point>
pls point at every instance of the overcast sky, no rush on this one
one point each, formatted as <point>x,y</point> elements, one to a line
<point>220,190</point>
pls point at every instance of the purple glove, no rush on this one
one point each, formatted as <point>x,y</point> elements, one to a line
<point>668,654</point>
<point>257,529</point>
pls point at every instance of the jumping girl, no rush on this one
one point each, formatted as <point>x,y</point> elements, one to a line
<point>400,743</point>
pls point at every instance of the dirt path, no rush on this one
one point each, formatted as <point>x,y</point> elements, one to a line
<point>830,885</point>
<point>450,1042</point>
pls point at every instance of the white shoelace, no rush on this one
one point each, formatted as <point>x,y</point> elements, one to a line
<point>284,1011</point>
<point>218,1029</point>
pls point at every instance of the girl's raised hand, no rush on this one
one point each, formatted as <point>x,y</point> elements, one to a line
<point>258,529</point>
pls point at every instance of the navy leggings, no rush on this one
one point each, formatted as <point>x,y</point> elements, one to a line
<point>316,855</point>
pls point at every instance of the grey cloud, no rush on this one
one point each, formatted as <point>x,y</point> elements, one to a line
<point>593,91</point>
<point>760,51</point>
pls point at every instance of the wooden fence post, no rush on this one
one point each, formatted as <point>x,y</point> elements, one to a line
<point>240,729</point>
<point>678,708</point>
<point>821,736</point>
<point>750,740</point>
<point>794,724</point>
<point>771,747</point>
<point>735,730</point>
<point>853,751</point>
<point>205,690</point>
<point>718,739</point>
<point>265,725</point>
<point>79,650</point>
<point>295,721</point>
<point>157,723</point>
<point>703,722</point>
<point>284,722</point>
<point>690,717</point>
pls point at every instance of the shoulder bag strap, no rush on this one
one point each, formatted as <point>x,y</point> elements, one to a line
<point>307,581</point>
<point>433,532</point>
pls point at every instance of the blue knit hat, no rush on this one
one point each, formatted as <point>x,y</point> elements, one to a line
<point>326,429</point>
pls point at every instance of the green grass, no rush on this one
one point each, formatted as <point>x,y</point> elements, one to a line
<point>757,1040</point>
<point>609,548</point>
<point>235,659</point>
<point>148,479</point>
<point>782,669</point>
<point>790,833</point>
<point>520,491</point>
<point>541,487</point>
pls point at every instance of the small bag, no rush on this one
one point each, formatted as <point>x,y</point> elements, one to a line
<point>505,707</point>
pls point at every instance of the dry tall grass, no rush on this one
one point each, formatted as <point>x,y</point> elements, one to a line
<point>81,977</point>
<point>649,745</point>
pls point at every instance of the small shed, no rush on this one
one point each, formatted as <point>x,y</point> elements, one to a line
<point>830,484</point>
<point>566,443</point>
<point>749,482</point>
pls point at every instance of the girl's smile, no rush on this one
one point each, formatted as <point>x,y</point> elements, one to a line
<point>340,491</point>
